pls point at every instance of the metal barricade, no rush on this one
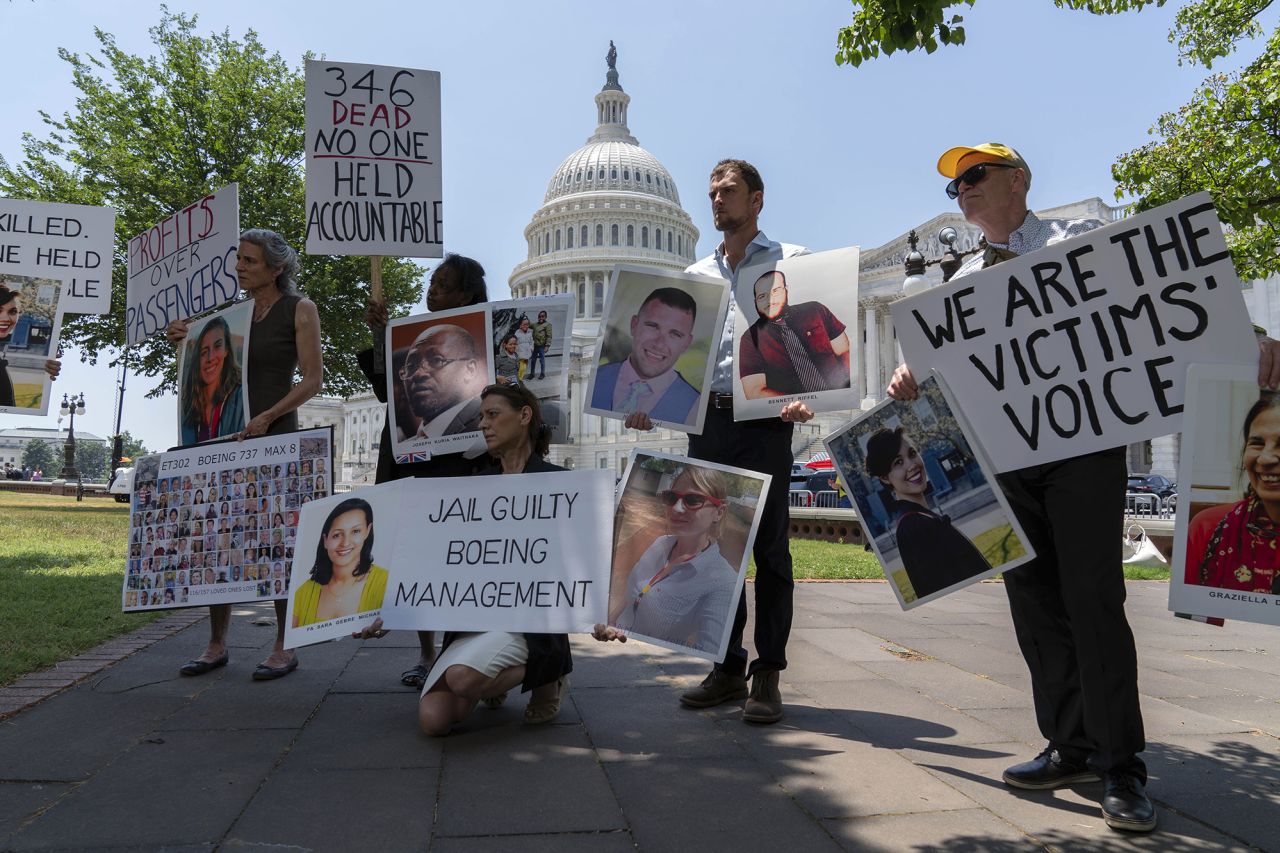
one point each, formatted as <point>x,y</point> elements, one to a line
<point>1142,503</point>
<point>827,499</point>
<point>800,497</point>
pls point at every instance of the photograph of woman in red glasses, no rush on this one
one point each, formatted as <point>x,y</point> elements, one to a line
<point>682,589</point>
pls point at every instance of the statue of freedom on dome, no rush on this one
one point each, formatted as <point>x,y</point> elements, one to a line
<point>612,56</point>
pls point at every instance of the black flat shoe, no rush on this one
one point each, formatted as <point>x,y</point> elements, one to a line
<point>200,667</point>
<point>1047,771</point>
<point>1125,804</point>
<point>269,673</point>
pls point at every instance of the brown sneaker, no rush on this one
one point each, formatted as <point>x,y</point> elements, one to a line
<point>765,702</point>
<point>715,689</point>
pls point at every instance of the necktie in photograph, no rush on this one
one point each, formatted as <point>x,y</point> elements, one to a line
<point>810,378</point>
<point>638,389</point>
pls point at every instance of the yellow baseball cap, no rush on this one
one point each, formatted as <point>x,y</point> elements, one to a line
<point>949,162</point>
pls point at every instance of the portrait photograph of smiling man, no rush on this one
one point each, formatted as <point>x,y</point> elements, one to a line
<point>655,353</point>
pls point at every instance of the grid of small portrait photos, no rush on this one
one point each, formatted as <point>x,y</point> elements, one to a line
<point>218,524</point>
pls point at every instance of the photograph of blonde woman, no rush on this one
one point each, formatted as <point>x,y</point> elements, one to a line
<point>678,554</point>
<point>211,399</point>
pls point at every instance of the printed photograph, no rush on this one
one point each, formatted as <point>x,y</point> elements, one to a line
<point>930,508</point>
<point>531,348</point>
<point>657,346</point>
<point>340,574</point>
<point>683,533</point>
<point>213,394</point>
<point>1228,498</point>
<point>437,365</point>
<point>795,334</point>
<point>30,322</point>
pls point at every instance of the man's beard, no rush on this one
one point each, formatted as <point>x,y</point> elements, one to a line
<point>728,223</point>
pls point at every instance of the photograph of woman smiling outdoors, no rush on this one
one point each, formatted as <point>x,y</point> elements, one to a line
<point>934,554</point>
<point>344,581</point>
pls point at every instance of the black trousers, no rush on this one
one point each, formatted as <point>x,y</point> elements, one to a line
<point>764,446</point>
<point>1068,609</point>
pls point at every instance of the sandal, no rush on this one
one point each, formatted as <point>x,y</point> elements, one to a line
<point>415,676</point>
<point>495,702</point>
<point>540,711</point>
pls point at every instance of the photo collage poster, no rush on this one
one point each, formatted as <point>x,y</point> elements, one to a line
<point>796,335</point>
<point>658,341</point>
<point>30,324</point>
<point>683,532</point>
<point>217,523</point>
<point>929,503</point>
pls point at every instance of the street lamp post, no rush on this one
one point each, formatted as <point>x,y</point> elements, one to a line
<point>73,406</point>
<point>914,263</point>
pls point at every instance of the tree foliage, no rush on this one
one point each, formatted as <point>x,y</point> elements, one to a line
<point>1226,139</point>
<point>149,135</point>
<point>43,455</point>
<point>131,447</point>
<point>92,461</point>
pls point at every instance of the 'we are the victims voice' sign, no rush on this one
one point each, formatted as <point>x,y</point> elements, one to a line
<point>1084,345</point>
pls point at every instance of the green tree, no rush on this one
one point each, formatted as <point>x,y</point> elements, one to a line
<point>1226,139</point>
<point>132,447</point>
<point>45,455</point>
<point>92,460</point>
<point>149,135</point>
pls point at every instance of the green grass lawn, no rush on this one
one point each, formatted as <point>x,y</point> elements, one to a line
<point>61,568</point>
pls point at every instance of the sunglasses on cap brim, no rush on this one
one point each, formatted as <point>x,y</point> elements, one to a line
<point>973,176</point>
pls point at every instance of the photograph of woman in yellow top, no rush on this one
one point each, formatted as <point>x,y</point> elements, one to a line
<point>344,581</point>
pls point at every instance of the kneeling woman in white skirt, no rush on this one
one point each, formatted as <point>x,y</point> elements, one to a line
<point>475,667</point>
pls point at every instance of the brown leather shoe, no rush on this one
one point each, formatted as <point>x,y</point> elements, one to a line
<point>764,705</point>
<point>716,688</point>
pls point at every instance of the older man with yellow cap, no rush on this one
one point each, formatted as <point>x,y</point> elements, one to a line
<point>1067,603</point>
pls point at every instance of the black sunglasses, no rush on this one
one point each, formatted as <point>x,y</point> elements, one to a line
<point>973,176</point>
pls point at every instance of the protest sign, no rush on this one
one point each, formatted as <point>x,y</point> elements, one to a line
<point>518,552</point>
<point>183,265</point>
<point>792,339</point>
<point>217,524</point>
<point>73,243</point>
<point>346,544</point>
<point>1225,564</point>
<point>373,160</point>
<point>30,324</point>
<point>531,348</point>
<point>436,365</point>
<point>682,538</point>
<point>929,503</point>
<point>213,375</point>
<point>657,349</point>
<point>1084,344</point>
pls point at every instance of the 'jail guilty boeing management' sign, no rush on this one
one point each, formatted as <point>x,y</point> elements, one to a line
<point>1084,345</point>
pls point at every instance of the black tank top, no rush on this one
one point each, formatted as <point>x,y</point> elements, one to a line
<point>273,359</point>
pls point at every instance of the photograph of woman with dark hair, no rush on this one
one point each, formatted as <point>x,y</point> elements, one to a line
<point>10,311</point>
<point>212,394</point>
<point>344,581</point>
<point>1234,546</point>
<point>934,554</point>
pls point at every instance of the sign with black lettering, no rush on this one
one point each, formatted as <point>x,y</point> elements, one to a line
<point>373,160</point>
<point>69,242</point>
<point>217,524</point>
<point>518,552</point>
<point>1084,345</point>
<point>183,265</point>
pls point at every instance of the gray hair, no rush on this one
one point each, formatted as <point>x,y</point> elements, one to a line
<point>277,253</point>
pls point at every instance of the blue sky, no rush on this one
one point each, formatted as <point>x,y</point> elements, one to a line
<point>847,155</point>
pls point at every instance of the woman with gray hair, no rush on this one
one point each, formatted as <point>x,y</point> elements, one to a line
<point>284,339</point>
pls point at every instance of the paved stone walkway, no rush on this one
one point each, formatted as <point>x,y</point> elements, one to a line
<point>897,728</point>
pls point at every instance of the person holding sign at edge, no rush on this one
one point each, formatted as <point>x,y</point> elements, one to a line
<point>10,311</point>
<point>1068,603</point>
<point>457,282</point>
<point>285,337</point>
<point>483,666</point>
<point>737,197</point>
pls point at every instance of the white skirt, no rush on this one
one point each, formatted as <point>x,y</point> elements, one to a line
<point>489,653</point>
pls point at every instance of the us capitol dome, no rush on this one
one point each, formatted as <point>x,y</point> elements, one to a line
<point>610,202</point>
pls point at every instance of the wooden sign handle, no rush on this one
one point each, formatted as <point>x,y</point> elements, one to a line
<point>375,276</point>
<point>379,341</point>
